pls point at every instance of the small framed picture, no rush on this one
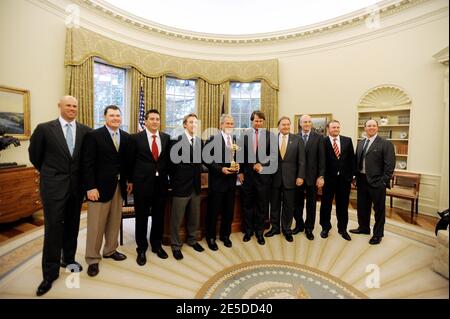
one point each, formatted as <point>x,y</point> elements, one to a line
<point>319,122</point>
<point>15,112</point>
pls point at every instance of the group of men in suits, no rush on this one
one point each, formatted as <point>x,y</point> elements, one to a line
<point>277,173</point>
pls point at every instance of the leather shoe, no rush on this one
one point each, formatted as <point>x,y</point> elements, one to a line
<point>198,247</point>
<point>43,288</point>
<point>360,231</point>
<point>177,254</point>
<point>345,235</point>
<point>297,230</point>
<point>212,244</point>
<point>271,233</point>
<point>73,266</point>
<point>227,242</point>
<point>93,270</point>
<point>260,239</point>
<point>289,237</point>
<point>324,233</point>
<point>116,256</point>
<point>247,237</point>
<point>141,259</point>
<point>375,240</point>
<point>160,253</point>
<point>309,234</point>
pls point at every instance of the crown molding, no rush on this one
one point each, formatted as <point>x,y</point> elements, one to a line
<point>442,56</point>
<point>386,8</point>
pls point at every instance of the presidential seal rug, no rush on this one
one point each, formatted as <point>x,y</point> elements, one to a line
<point>276,279</point>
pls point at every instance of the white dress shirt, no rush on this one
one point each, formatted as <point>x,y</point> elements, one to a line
<point>338,142</point>
<point>150,142</point>
<point>367,149</point>
<point>280,140</point>
<point>63,123</point>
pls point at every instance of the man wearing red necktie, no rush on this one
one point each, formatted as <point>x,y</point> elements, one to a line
<point>149,163</point>
<point>339,172</point>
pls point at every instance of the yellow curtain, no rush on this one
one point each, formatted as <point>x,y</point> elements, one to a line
<point>211,97</point>
<point>80,84</point>
<point>154,96</point>
<point>269,104</point>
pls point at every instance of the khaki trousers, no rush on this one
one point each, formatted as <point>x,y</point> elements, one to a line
<point>103,219</point>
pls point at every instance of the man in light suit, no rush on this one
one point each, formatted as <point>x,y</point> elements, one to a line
<point>221,183</point>
<point>185,180</point>
<point>149,164</point>
<point>339,172</point>
<point>105,181</point>
<point>289,175</point>
<point>54,150</point>
<point>375,162</point>
<point>314,172</point>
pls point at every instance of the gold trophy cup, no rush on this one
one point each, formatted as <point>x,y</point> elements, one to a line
<point>233,165</point>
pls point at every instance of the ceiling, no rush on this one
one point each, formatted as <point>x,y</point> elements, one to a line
<point>238,17</point>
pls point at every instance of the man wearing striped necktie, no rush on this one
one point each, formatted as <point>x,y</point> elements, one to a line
<point>339,172</point>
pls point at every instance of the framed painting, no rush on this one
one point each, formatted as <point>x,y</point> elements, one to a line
<point>319,122</point>
<point>15,112</point>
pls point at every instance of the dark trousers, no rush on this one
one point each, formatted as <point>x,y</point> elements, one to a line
<point>61,224</point>
<point>222,203</point>
<point>287,197</point>
<point>367,195</point>
<point>146,204</point>
<point>255,207</point>
<point>339,188</point>
<point>308,224</point>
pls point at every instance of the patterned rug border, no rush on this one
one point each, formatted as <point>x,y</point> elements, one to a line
<point>217,279</point>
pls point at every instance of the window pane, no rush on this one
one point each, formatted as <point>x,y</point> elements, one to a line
<point>109,88</point>
<point>180,100</point>
<point>245,98</point>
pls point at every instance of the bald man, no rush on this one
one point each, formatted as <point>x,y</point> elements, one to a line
<point>55,152</point>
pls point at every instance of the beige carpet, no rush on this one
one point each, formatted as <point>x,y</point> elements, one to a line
<point>403,262</point>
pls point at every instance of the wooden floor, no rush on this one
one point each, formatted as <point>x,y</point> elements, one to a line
<point>10,230</point>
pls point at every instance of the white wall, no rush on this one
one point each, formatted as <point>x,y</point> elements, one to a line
<point>323,74</point>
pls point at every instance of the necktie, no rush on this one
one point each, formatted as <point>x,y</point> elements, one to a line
<point>305,138</point>
<point>228,140</point>
<point>283,146</point>
<point>363,154</point>
<point>255,147</point>
<point>116,141</point>
<point>155,148</point>
<point>336,148</point>
<point>69,138</point>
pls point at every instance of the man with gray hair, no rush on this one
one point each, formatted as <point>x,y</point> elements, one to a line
<point>221,182</point>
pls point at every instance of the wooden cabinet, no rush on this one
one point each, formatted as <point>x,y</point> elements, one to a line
<point>19,193</point>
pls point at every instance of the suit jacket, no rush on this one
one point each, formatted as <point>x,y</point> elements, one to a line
<point>345,165</point>
<point>218,181</point>
<point>292,166</point>
<point>60,172</point>
<point>315,157</point>
<point>143,166</point>
<point>249,158</point>
<point>102,163</point>
<point>380,161</point>
<point>185,176</point>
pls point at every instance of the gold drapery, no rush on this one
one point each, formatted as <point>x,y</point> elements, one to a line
<point>80,84</point>
<point>154,96</point>
<point>269,104</point>
<point>82,44</point>
<point>211,98</point>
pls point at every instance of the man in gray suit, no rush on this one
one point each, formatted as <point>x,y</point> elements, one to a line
<point>375,162</point>
<point>55,149</point>
<point>290,173</point>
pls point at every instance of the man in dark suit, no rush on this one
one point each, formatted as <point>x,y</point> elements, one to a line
<point>185,180</point>
<point>339,172</point>
<point>54,150</point>
<point>375,162</point>
<point>149,164</point>
<point>289,175</point>
<point>315,170</point>
<point>105,181</point>
<point>217,156</point>
<point>255,178</point>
